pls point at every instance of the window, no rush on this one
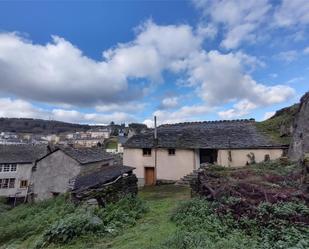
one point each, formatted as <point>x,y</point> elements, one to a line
<point>171,152</point>
<point>23,184</point>
<point>12,183</point>
<point>13,167</point>
<point>146,152</point>
<point>5,183</point>
<point>6,168</point>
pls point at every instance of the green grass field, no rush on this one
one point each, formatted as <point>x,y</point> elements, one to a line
<point>149,231</point>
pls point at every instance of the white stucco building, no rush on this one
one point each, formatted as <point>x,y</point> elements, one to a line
<point>181,148</point>
<point>16,162</point>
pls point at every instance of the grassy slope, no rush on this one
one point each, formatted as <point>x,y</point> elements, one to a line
<point>149,231</point>
<point>272,126</point>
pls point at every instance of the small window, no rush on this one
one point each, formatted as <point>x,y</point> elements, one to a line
<point>23,184</point>
<point>146,152</point>
<point>5,183</point>
<point>13,167</point>
<point>171,152</point>
<point>6,168</point>
<point>12,183</point>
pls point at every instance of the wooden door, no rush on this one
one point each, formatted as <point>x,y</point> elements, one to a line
<point>149,176</point>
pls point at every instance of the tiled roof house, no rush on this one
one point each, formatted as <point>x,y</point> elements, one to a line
<point>181,148</point>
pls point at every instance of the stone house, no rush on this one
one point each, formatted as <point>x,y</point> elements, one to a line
<point>57,171</point>
<point>108,184</point>
<point>181,148</point>
<point>16,162</point>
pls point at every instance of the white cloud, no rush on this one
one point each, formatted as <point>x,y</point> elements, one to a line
<point>292,12</point>
<point>268,115</point>
<point>185,113</point>
<point>306,50</point>
<point>124,107</point>
<point>19,108</point>
<point>222,78</point>
<point>74,116</point>
<point>240,109</point>
<point>240,19</point>
<point>295,80</point>
<point>169,102</point>
<point>207,31</point>
<point>288,56</point>
<point>58,72</point>
<point>12,108</point>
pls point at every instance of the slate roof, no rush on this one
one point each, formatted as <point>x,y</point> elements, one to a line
<point>235,134</point>
<point>22,153</point>
<point>104,175</point>
<point>86,155</point>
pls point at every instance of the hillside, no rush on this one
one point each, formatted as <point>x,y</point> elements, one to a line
<point>280,126</point>
<point>38,126</point>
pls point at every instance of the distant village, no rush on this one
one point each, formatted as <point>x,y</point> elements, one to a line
<point>111,137</point>
<point>104,163</point>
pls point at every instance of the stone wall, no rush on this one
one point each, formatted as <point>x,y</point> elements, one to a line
<point>105,193</point>
<point>300,140</point>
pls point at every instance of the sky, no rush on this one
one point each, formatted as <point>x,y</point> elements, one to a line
<point>125,61</point>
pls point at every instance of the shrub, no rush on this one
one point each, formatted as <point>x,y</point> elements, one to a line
<point>199,225</point>
<point>29,219</point>
<point>59,221</point>
<point>71,226</point>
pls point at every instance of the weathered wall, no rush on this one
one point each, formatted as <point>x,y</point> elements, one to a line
<point>300,140</point>
<point>169,167</point>
<point>239,156</point>
<point>23,172</point>
<point>53,174</point>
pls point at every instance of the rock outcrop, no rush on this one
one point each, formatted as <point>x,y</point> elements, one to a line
<point>300,139</point>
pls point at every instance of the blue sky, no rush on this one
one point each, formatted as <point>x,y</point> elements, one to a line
<point>125,61</point>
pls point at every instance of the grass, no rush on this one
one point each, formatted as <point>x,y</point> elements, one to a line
<point>272,126</point>
<point>149,231</point>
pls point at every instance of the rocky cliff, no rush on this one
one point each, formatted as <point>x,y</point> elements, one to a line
<point>300,137</point>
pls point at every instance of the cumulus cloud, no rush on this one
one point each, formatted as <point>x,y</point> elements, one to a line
<point>185,113</point>
<point>240,109</point>
<point>23,109</point>
<point>58,72</point>
<point>290,13</point>
<point>12,108</point>
<point>306,50</point>
<point>169,102</point>
<point>222,78</point>
<point>240,19</point>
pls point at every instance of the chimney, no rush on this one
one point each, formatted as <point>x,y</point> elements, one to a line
<point>155,128</point>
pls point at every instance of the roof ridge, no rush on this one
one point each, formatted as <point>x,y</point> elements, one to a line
<point>211,121</point>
